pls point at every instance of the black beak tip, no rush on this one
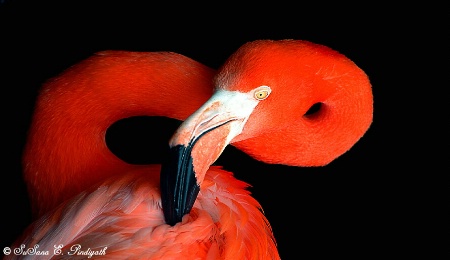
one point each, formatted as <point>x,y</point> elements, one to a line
<point>179,188</point>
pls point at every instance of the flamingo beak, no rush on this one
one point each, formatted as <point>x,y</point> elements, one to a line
<point>197,144</point>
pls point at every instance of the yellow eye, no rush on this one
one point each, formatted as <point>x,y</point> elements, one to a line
<point>262,92</point>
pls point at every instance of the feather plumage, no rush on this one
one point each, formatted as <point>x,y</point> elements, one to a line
<point>123,217</point>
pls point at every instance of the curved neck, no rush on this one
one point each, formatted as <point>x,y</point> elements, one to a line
<point>66,150</point>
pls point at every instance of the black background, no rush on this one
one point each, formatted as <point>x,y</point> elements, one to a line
<point>353,207</point>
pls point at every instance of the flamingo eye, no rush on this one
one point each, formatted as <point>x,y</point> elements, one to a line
<point>262,92</point>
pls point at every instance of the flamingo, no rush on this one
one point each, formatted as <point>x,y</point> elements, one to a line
<point>87,202</point>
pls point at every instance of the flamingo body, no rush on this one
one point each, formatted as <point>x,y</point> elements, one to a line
<point>123,217</point>
<point>82,194</point>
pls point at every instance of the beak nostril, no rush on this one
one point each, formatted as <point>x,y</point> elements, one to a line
<point>313,110</point>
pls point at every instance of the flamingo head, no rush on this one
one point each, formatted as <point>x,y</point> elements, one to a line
<point>262,93</point>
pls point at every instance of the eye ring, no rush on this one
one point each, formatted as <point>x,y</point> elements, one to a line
<point>262,92</point>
